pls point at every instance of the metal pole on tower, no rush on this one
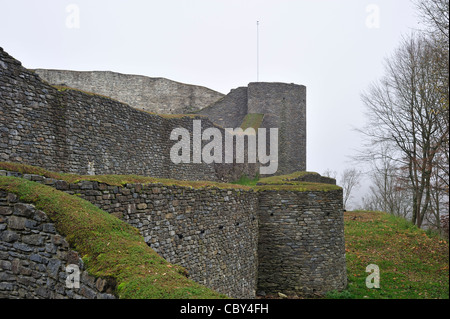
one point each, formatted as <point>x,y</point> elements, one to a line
<point>257,51</point>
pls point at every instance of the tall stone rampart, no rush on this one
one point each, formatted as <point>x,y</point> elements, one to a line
<point>301,242</point>
<point>284,107</point>
<point>212,232</point>
<point>158,95</point>
<point>76,132</point>
<point>235,241</point>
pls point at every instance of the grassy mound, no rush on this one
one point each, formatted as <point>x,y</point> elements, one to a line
<point>288,183</point>
<point>109,246</point>
<point>413,265</point>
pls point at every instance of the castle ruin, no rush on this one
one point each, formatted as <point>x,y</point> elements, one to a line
<point>285,235</point>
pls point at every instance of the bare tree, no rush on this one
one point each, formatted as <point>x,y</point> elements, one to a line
<point>405,109</point>
<point>389,191</point>
<point>350,179</point>
<point>330,173</point>
<point>435,14</point>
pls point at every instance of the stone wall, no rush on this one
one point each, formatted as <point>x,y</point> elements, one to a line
<point>34,257</point>
<point>234,241</point>
<point>212,232</point>
<point>229,111</point>
<point>301,242</point>
<point>156,95</point>
<point>231,240</point>
<point>284,107</point>
<point>71,131</point>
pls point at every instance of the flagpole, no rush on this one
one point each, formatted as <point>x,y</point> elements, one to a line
<point>257,51</point>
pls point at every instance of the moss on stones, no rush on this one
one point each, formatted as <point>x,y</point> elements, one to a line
<point>253,120</point>
<point>110,247</point>
<point>114,180</point>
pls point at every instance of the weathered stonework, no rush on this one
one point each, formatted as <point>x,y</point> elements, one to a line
<point>234,241</point>
<point>156,95</point>
<point>301,242</point>
<point>211,232</point>
<point>34,257</point>
<point>283,106</point>
<point>74,132</point>
<point>230,110</point>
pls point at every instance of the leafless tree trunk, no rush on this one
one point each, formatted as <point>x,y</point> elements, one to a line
<point>435,15</point>
<point>439,205</point>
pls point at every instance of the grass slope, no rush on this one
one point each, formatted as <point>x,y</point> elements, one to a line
<point>285,183</point>
<point>109,247</point>
<point>413,265</point>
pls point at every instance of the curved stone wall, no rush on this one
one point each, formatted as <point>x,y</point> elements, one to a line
<point>234,241</point>
<point>212,232</point>
<point>301,242</point>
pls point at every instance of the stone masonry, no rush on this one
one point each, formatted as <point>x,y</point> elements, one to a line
<point>212,232</point>
<point>283,106</point>
<point>237,242</point>
<point>301,242</point>
<point>232,240</point>
<point>34,257</point>
<point>156,95</point>
<point>74,132</point>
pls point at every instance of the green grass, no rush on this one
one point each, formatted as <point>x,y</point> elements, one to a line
<point>287,183</point>
<point>247,181</point>
<point>115,180</point>
<point>284,183</point>
<point>109,247</point>
<point>412,264</point>
<point>275,183</point>
<point>285,179</point>
<point>253,120</point>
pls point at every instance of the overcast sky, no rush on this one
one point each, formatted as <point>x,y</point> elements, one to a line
<point>333,47</point>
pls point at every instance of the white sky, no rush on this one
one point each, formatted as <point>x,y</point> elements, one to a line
<point>323,44</point>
